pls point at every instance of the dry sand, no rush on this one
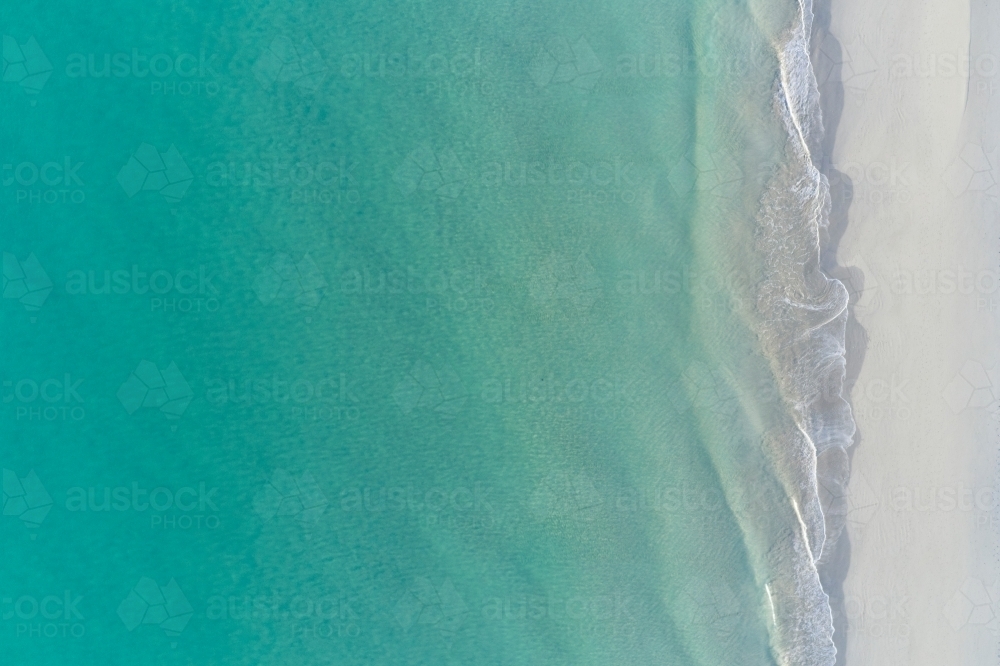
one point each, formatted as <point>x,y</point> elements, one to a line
<point>912,109</point>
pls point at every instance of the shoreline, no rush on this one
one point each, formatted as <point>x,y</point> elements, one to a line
<point>835,560</point>
<point>803,315</point>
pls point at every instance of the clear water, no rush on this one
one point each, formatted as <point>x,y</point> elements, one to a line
<point>365,333</point>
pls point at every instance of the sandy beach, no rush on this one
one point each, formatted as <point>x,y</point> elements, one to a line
<point>908,105</point>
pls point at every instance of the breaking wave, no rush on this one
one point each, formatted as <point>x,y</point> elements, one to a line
<point>802,318</point>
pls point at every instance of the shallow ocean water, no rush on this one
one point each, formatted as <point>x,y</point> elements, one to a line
<point>373,333</point>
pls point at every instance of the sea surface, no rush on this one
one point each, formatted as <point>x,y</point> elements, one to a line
<point>414,333</point>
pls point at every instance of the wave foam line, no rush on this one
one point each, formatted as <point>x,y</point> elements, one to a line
<point>803,329</point>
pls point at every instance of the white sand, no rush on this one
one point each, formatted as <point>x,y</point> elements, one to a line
<point>923,564</point>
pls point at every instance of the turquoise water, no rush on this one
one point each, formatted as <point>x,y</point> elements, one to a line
<point>378,333</point>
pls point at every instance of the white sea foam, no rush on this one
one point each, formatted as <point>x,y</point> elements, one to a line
<point>802,325</point>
